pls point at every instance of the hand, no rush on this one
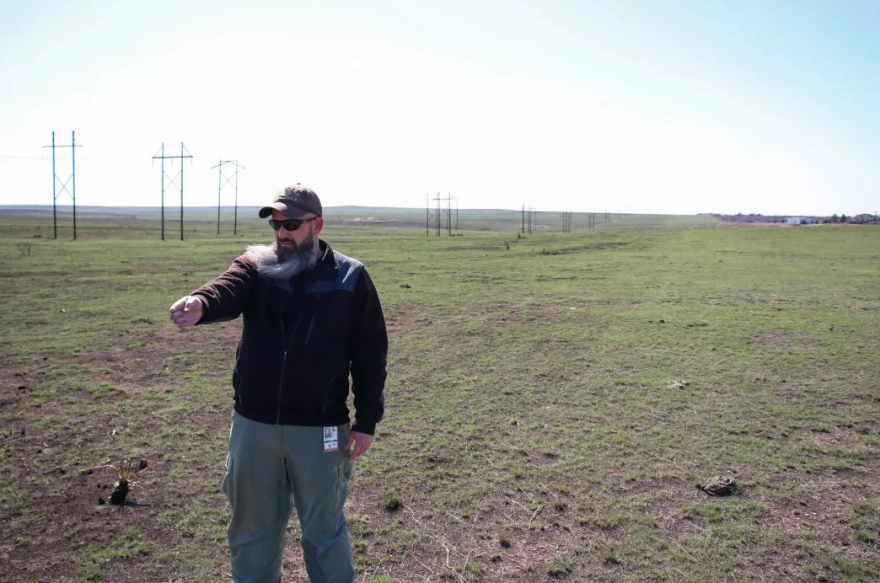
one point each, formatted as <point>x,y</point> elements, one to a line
<point>187,311</point>
<point>361,441</point>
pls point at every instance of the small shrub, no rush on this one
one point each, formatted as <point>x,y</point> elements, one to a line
<point>24,249</point>
<point>389,501</point>
<point>559,566</point>
<point>471,568</point>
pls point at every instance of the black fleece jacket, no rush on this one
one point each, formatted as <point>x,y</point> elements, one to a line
<point>300,340</point>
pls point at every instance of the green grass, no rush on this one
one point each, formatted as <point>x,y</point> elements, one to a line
<point>530,401</point>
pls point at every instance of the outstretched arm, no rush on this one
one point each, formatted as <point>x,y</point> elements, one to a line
<point>219,300</point>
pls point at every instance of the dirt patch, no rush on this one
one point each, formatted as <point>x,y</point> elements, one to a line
<point>820,509</point>
<point>841,437</point>
<point>405,318</point>
<point>580,248</point>
<point>65,412</point>
<point>782,339</point>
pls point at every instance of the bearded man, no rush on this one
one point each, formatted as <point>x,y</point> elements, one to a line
<point>311,317</point>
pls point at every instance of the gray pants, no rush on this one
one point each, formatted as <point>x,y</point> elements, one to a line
<point>268,465</point>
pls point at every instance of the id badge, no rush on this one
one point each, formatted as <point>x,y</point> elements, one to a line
<point>331,439</point>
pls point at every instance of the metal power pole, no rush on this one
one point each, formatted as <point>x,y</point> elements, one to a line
<point>449,214</point>
<point>73,176</point>
<point>219,177</point>
<point>70,179</point>
<point>54,196</point>
<point>437,215</point>
<point>181,191</point>
<point>221,184</point>
<point>183,155</point>
<point>235,216</point>
<point>163,191</point>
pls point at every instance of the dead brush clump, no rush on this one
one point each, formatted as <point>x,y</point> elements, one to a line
<point>126,472</point>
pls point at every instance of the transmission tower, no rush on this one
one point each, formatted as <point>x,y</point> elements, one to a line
<point>439,214</point>
<point>432,216</point>
<point>160,155</point>
<point>566,222</point>
<point>229,181</point>
<point>70,179</point>
<point>449,199</point>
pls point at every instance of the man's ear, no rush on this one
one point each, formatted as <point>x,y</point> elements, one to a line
<point>319,225</point>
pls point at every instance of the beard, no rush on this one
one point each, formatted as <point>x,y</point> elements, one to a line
<point>277,262</point>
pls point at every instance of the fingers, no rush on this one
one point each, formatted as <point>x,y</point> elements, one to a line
<point>362,443</point>
<point>356,452</point>
<point>178,305</point>
<point>186,311</point>
<point>348,442</point>
<point>184,320</point>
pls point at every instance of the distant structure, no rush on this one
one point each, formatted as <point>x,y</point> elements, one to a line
<point>529,219</point>
<point>70,179</point>
<point>864,219</point>
<point>160,155</point>
<point>229,181</point>
<point>438,214</point>
<point>566,222</point>
<point>799,221</point>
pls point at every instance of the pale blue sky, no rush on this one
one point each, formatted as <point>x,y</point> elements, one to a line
<point>677,107</point>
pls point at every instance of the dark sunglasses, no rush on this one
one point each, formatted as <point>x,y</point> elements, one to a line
<point>288,224</point>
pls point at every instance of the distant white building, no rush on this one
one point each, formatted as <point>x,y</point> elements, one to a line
<point>799,221</point>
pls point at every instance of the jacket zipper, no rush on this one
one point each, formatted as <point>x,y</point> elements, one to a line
<point>284,345</point>
<point>330,388</point>
<point>312,321</point>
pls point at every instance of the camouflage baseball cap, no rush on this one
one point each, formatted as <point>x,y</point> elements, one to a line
<point>294,202</point>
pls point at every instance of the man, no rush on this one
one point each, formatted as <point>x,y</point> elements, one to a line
<point>311,316</point>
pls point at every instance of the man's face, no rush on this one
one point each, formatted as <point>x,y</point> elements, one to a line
<point>305,234</point>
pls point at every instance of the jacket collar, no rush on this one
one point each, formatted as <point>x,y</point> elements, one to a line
<point>326,267</point>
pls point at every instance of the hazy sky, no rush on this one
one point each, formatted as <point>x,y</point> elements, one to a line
<point>668,106</point>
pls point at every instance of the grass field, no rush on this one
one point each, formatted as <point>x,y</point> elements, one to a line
<point>534,429</point>
<point>201,222</point>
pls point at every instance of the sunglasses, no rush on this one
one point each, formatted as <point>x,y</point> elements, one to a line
<point>288,224</point>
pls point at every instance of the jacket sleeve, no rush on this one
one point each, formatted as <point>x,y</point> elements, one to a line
<point>226,297</point>
<point>369,353</point>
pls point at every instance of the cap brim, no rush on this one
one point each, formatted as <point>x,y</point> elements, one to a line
<point>288,211</point>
